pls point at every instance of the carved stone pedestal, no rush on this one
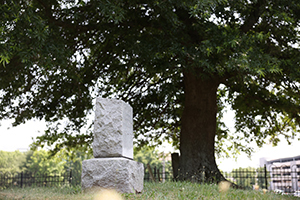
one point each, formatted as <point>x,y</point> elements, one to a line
<point>122,174</point>
<point>113,166</point>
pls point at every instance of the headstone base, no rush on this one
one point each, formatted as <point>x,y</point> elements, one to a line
<point>121,174</point>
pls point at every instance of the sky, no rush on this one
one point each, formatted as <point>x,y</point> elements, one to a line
<point>20,137</point>
<point>282,150</point>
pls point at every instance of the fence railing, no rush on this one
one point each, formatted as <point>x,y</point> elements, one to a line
<point>285,179</point>
<point>249,178</point>
<point>276,178</point>
<point>158,175</point>
<point>35,179</point>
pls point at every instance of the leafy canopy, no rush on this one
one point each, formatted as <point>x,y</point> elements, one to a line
<point>57,55</point>
<point>11,162</point>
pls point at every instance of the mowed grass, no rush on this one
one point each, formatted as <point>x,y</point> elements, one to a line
<point>168,190</point>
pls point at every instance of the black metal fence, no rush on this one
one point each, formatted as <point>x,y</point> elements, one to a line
<point>245,178</point>
<point>283,178</point>
<point>249,178</point>
<point>158,175</point>
<point>35,179</point>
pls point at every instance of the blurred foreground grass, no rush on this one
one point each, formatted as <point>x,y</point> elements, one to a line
<point>168,190</point>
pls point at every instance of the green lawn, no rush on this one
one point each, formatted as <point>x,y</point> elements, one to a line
<point>168,190</point>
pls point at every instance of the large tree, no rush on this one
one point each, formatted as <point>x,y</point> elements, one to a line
<point>175,62</point>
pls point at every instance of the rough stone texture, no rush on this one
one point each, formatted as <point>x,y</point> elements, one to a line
<point>113,166</point>
<point>113,129</point>
<point>121,174</point>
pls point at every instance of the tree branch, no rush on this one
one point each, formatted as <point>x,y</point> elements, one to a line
<point>257,10</point>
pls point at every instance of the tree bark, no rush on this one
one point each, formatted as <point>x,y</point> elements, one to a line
<point>197,138</point>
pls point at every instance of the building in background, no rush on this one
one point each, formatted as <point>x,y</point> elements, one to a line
<point>284,173</point>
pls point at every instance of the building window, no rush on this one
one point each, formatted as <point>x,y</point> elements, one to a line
<point>274,168</point>
<point>276,175</point>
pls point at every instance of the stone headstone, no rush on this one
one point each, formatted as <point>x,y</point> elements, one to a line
<point>113,129</point>
<point>113,166</point>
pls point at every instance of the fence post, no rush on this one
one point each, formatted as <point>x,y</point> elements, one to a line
<point>163,169</point>
<point>175,165</point>
<point>150,173</point>
<point>70,179</point>
<point>21,179</point>
<point>155,172</point>
<point>158,175</point>
<point>266,180</point>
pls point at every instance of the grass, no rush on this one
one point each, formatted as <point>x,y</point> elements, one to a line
<point>155,191</point>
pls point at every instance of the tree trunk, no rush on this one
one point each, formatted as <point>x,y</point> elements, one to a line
<point>197,138</point>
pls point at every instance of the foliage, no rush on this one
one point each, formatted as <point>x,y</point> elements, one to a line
<point>11,161</point>
<point>74,163</point>
<point>57,56</point>
<point>41,163</point>
<point>150,155</point>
